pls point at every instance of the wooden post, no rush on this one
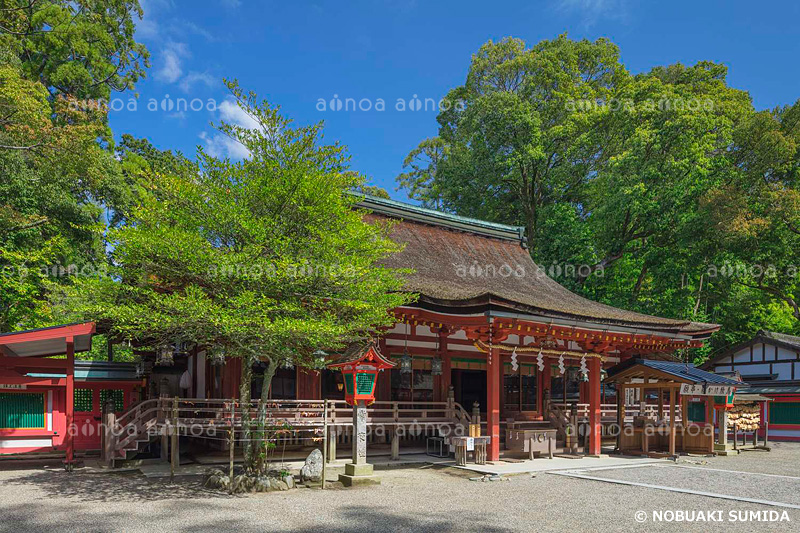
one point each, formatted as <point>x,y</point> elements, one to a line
<point>723,427</point>
<point>672,421</point>
<point>766,424</point>
<point>684,421</point>
<point>395,436</point>
<point>595,427</point>
<point>332,444</point>
<point>175,451</point>
<point>395,445</point>
<point>660,403</point>
<point>445,381</point>
<point>70,401</point>
<point>546,384</point>
<point>493,375</point>
<point>109,442</point>
<point>572,429</point>
<point>642,402</point>
<point>324,440</point>
<point>231,445</point>
<point>620,415</point>
<point>710,418</point>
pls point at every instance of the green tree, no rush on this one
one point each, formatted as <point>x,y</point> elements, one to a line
<point>265,259</point>
<point>624,181</point>
<point>76,48</point>
<point>59,174</point>
<point>512,140</point>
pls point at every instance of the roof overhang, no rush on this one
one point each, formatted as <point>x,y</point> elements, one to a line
<point>46,342</point>
<point>649,371</point>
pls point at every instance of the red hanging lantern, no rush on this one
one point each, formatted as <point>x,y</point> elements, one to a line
<point>360,365</point>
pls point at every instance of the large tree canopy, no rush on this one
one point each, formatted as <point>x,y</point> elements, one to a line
<point>59,174</point>
<point>77,48</point>
<point>622,180</point>
<point>264,258</point>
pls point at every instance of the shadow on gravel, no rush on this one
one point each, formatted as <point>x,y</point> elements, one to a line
<point>111,487</point>
<point>355,518</point>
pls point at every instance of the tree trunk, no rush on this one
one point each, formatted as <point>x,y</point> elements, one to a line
<point>244,397</point>
<point>261,436</point>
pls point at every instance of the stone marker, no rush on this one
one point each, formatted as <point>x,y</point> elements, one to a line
<point>312,470</point>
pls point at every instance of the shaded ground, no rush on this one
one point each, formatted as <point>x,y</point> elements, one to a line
<point>33,498</point>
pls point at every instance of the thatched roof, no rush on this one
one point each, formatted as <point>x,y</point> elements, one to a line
<point>460,262</point>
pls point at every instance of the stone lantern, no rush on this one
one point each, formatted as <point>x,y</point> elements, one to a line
<point>360,366</point>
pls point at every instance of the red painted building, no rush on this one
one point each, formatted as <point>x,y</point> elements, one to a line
<point>484,315</point>
<point>42,395</point>
<point>489,324</point>
<point>770,364</point>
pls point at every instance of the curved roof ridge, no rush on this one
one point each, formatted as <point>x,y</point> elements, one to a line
<point>395,208</point>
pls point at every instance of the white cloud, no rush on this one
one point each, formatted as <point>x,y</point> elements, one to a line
<point>172,56</point>
<point>230,112</point>
<point>220,145</point>
<point>193,77</point>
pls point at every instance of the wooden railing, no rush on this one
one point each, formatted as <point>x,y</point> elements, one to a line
<point>608,411</point>
<point>200,417</point>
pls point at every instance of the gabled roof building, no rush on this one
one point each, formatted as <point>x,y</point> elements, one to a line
<point>770,363</point>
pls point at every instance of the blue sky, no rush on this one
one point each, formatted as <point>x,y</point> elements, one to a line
<point>294,53</point>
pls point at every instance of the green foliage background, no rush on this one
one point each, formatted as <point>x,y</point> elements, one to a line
<point>664,192</point>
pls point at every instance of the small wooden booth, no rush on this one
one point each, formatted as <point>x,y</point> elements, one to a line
<point>653,412</point>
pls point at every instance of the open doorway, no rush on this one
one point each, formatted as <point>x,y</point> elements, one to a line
<point>469,387</point>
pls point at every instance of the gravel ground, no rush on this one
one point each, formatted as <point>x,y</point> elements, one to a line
<point>745,485</point>
<point>34,498</point>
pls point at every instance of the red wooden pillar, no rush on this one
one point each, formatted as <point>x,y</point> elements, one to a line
<point>494,365</point>
<point>594,406</point>
<point>70,400</point>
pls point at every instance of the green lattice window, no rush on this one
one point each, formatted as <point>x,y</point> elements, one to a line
<point>22,410</point>
<point>348,383</point>
<point>84,400</point>
<point>364,383</point>
<point>117,394</point>
<point>784,413</point>
<point>697,412</point>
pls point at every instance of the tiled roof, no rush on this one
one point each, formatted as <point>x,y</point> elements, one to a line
<point>781,337</point>
<point>683,371</point>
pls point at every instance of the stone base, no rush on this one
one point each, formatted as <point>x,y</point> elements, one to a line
<point>352,481</point>
<point>364,469</point>
<point>725,449</point>
<point>358,475</point>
